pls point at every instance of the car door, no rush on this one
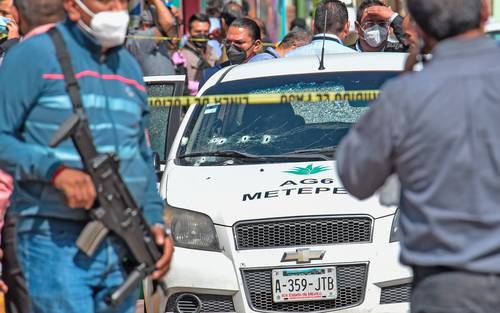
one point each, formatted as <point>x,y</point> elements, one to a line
<point>165,121</point>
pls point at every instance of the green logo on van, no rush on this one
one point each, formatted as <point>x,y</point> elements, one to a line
<point>308,170</point>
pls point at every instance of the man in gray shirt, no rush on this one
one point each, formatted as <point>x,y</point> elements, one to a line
<point>439,131</point>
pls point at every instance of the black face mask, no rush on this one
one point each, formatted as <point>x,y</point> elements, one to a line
<point>200,41</point>
<point>236,54</point>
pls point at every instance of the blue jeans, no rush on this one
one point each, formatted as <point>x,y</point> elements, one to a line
<point>60,278</point>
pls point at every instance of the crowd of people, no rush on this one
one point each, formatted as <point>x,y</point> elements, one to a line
<point>52,191</point>
<point>227,36</point>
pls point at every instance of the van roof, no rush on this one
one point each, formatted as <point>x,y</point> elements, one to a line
<point>349,62</point>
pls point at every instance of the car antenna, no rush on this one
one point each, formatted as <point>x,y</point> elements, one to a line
<point>322,61</point>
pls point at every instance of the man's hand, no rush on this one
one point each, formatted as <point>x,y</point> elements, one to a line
<point>163,264</point>
<point>13,30</point>
<point>77,187</point>
<point>216,34</point>
<point>379,12</point>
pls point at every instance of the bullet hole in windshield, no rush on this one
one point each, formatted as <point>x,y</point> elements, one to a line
<point>266,139</point>
<point>244,139</point>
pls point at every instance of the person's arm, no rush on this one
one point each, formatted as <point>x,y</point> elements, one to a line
<point>18,93</point>
<point>166,19</point>
<point>364,158</point>
<point>397,27</point>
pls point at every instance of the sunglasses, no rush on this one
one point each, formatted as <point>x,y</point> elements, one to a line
<point>228,43</point>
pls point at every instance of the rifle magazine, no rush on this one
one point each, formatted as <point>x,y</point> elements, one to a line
<point>91,237</point>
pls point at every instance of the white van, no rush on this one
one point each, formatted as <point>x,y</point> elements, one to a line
<point>260,219</point>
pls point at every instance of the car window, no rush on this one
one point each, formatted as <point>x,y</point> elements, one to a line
<point>277,129</point>
<point>159,116</point>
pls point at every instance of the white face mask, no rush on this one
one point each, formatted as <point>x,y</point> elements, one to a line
<point>108,27</point>
<point>376,35</point>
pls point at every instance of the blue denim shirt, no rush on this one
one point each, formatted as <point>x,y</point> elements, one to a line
<point>439,130</point>
<point>268,54</point>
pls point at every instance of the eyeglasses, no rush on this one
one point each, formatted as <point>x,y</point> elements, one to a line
<point>370,24</point>
<point>239,43</point>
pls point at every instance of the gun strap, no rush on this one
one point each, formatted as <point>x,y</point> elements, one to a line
<point>72,87</point>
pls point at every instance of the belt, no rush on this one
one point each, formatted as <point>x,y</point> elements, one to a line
<point>422,272</point>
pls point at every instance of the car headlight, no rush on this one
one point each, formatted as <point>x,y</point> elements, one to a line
<point>395,227</point>
<point>192,230</point>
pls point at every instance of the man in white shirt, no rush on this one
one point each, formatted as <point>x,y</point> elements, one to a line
<point>331,25</point>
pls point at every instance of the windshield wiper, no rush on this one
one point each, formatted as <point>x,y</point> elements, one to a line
<point>223,153</point>
<point>316,152</point>
<point>247,156</point>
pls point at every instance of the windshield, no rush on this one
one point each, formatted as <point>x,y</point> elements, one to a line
<point>235,134</point>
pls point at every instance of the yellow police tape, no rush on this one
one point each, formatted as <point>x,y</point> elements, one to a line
<point>163,38</point>
<point>274,98</point>
<point>160,38</point>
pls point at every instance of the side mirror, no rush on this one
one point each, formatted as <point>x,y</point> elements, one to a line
<point>157,165</point>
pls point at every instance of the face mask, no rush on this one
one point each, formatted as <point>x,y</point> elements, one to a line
<point>3,26</point>
<point>236,54</point>
<point>108,27</point>
<point>200,41</point>
<point>376,35</point>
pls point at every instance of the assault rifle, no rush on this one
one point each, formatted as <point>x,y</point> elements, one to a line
<point>115,209</point>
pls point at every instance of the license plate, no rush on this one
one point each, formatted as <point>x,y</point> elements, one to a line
<point>304,284</point>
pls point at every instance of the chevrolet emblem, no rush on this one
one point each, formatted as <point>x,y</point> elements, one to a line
<point>302,256</point>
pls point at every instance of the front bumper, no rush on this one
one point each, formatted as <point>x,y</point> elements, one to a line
<point>215,278</point>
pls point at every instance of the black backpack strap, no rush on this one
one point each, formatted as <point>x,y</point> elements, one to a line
<point>64,59</point>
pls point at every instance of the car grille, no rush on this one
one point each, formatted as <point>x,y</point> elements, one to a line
<point>351,285</point>
<point>209,303</point>
<point>303,232</point>
<point>396,294</point>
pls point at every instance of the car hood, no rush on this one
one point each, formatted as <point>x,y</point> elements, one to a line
<point>229,194</point>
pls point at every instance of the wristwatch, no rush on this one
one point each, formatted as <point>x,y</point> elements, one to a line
<point>393,17</point>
